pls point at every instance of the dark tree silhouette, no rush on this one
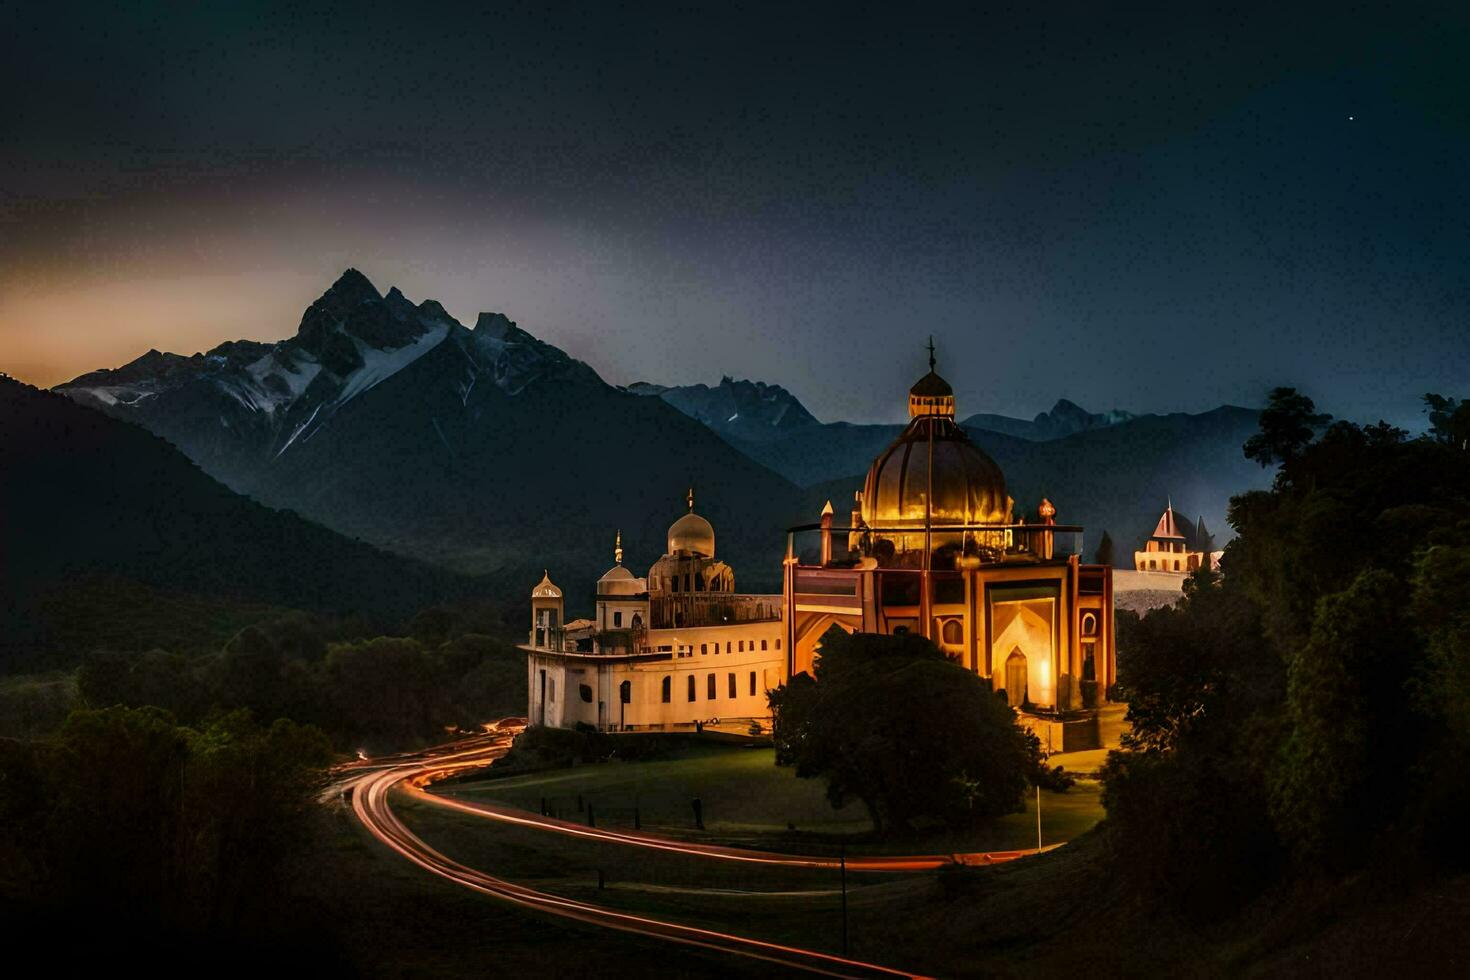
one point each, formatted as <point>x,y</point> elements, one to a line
<point>1289,422</point>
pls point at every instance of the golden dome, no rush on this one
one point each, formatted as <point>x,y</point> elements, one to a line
<point>934,471</point>
<point>693,535</point>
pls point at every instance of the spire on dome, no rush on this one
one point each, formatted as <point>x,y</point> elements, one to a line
<point>618,547</point>
<point>931,352</point>
<point>691,500</point>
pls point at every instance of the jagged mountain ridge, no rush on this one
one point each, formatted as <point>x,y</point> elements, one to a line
<point>270,397</point>
<point>484,449</point>
<point>1065,418</point>
<point>488,449</point>
<point>739,409</point>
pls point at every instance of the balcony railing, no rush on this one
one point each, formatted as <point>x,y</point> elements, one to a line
<point>939,546</point>
<point>686,610</point>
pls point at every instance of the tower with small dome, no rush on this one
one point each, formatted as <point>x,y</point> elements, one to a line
<point>678,647</point>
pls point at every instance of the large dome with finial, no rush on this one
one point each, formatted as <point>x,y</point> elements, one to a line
<point>692,534</point>
<point>932,470</point>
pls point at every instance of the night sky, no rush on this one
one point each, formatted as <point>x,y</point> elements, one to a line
<point>1156,211</point>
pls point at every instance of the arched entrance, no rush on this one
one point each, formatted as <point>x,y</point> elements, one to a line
<point>1016,678</point>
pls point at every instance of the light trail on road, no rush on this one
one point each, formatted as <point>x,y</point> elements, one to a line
<point>880,862</point>
<point>370,804</point>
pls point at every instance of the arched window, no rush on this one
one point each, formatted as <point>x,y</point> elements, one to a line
<point>637,621</point>
<point>752,683</point>
<point>953,633</point>
<point>691,687</point>
<point>1089,624</point>
<point>668,689</point>
<point>586,692</point>
<point>763,644</point>
<point>731,685</point>
<point>710,688</point>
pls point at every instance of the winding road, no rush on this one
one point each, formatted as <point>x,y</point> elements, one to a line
<point>371,783</point>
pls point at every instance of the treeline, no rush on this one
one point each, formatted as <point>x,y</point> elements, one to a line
<point>380,694</point>
<point>1307,713</point>
<point>126,824</point>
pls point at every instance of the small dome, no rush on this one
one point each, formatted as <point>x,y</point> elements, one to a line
<point>932,385</point>
<point>931,395</point>
<point>545,589</point>
<point>619,581</point>
<point>693,535</point>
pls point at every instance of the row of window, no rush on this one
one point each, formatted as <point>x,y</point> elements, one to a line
<point>711,685</point>
<point>585,690</point>
<point>1153,566</point>
<point>735,646</point>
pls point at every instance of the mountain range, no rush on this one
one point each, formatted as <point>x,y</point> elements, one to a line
<point>1113,471</point>
<point>478,448</point>
<point>485,449</point>
<point>114,539</point>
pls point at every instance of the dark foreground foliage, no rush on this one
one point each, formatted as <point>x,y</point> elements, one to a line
<point>126,816</point>
<point>1308,712</point>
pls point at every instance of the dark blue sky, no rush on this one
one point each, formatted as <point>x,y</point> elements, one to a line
<point>1154,210</point>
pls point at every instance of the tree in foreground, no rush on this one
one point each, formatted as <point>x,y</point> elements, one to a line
<point>888,720</point>
<point>1308,713</point>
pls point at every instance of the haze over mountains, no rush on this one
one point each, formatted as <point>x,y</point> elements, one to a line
<point>486,449</point>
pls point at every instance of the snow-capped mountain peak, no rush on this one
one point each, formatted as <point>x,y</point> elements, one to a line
<point>350,340</point>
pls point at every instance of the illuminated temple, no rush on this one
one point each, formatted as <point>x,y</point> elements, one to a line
<point>933,546</point>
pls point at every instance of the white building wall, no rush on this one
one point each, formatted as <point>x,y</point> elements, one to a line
<point>692,654</point>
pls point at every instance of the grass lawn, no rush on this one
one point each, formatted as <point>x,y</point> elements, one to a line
<point>748,799</point>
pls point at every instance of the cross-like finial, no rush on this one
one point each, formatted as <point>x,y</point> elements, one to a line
<point>691,500</point>
<point>931,352</point>
<point>618,548</point>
